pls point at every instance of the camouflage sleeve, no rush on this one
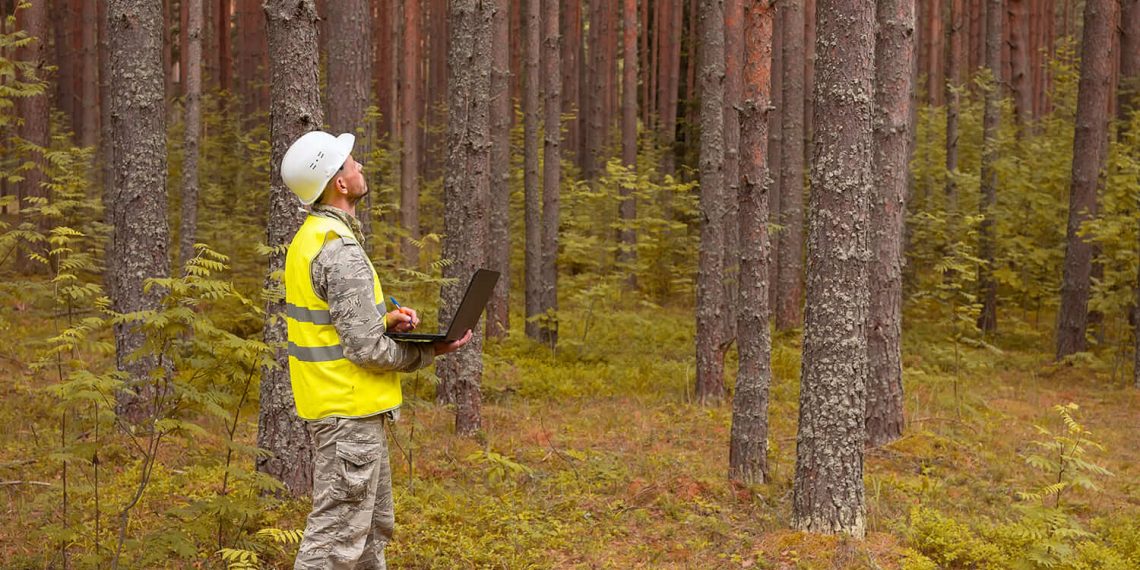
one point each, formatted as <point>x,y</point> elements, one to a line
<point>342,276</point>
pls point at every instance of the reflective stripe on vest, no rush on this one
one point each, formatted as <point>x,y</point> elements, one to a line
<point>325,383</point>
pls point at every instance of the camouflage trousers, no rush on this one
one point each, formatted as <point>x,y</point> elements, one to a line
<point>353,516</point>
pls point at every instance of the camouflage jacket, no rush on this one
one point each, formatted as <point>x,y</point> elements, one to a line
<point>342,275</point>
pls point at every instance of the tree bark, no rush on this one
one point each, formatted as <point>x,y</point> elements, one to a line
<point>410,132</point>
<point>499,203</point>
<point>384,47</point>
<point>627,211</point>
<point>1021,79</point>
<point>350,79</point>
<point>710,292</point>
<point>748,446</point>
<point>225,46</point>
<point>551,168</point>
<point>35,112</point>
<point>977,38</point>
<point>295,108</point>
<point>62,21</point>
<point>193,119</point>
<point>571,14</point>
<point>991,120</point>
<point>253,57</point>
<point>106,135</point>
<point>733,56</point>
<point>809,69</point>
<point>533,200</point>
<point>775,146</point>
<point>936,85</point>
<point>436,107</point>
<point>88,128</point>
<point>138,215</point>
<point>954,85</point>
<point>670,82</point>
<point>1129,89</point>
<point>1090,151</point>
<point>828,491</point>
<point>894,53</point>
<point>789,285</point>
<point>466,184</point>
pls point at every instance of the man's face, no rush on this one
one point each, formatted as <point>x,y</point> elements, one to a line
<point>352,173</point>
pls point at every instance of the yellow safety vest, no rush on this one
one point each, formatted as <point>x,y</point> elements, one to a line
<point>325,383</point>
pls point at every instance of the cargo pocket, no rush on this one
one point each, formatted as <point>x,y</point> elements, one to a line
<point>358,467</point>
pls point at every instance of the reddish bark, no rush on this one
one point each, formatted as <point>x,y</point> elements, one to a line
<point>1021,78</point>
<point>571,15</point>
<point>627,211</point>
<point>410,132</point>
<point>936,78</point>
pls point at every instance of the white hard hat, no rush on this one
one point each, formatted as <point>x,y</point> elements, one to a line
<point>312,161</point>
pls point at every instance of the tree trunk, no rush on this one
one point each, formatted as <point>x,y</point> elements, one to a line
<point>809,68</point>
<point>35,112</point>
<point>384,14</point>
<point>532,198</point>
<point>1090,149</point>
<point>410,132</point>
<point>991,120</point>
<point>733,55</point>
<point>627,211</point>
<point>954,85</point>
<point>466,184</point>
<point>775,146</point>
<point>193,126</point>
<point>571,14</point>
<point>138,215</point>
<point>551,168</point>
<point>64,62</point>
<point>295,108</point>
<point>436,111</point>
<point>748,446</point>
<point>977,39</point>
<point>894,53</point>
<point>1129,89</point>
<point>106,135</point>
<point>828,488</point>
<point>936,85</point>
<point>648,53</point>
<point>253,57</point>
<point>710,291</point>
<point>789,283</point>
<point>88,127</point>
<point>1021,79</point>
<point>670,82</point>
<point>225,46</point>
<point>499,201</point>
<point>350,78</point>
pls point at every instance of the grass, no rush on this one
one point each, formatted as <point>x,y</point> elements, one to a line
<point>594,456</point>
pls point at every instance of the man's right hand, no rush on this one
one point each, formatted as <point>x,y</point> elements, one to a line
<point>443,347</point>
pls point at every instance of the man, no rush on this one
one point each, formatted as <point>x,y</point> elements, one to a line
<point>343,368</point>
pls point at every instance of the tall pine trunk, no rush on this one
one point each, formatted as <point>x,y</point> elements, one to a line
<point>138,214</point>
<point>710,291</point>
<point>499,201</point>
<point>670,81</point>
<point>991,120</point>
<point>733,56</point>
<point>410,132</point>
<point>790,281</point>
<point>533,201</point>
<point>954,86</point>
<point>294,109</point>
<point>748,446</point>
<point>1090,150</point>
<point>571,16</point>
<point>1129,103</point>
<point>466,184</point>
<point>551,168</point>
<point>1021,79</point>
<point>193,126</point>
<point>350,80</point>
<point>894,59</point>
<point>627,211</point>
<point>936,85</point>
<point>775,144</point>
<point>828,494</point>
<point>88,127</point>
<point>35,112</point>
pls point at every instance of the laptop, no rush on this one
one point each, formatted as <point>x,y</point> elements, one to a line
<point>466,316</point>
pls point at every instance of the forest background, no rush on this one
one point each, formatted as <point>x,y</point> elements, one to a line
<point>653,179</point>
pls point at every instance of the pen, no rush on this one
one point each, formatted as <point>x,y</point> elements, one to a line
<point>394,302</point>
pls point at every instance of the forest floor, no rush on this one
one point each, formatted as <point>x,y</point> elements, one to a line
<point>594,456</point>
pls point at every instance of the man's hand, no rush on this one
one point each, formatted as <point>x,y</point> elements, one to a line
<point>442,347</point>
<point>403,319</point>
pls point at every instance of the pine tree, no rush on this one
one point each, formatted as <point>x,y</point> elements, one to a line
<point>34,110</point>
<point>789,285</point>
<point>499,202</point>
<point>627,211</point>
<point>828,493</point>
<point>532,198</point>
<point>551,169</point>
<point>295,108</point>
<point>193,119</point>
<point>893,131</point>
<point>748,446</point>
<point>466,185</point>
<point>1090,150</point>
<point>138,214</point>
<point>710,291</point>
<point>350,77</point>
<point>991,120</point>
<point>410,135</point>
<point>954,85</point>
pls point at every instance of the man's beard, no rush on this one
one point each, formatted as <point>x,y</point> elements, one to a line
<point>357,199</point>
